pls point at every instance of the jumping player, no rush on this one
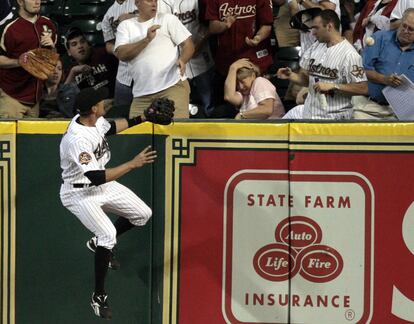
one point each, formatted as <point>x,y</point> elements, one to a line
<point>89,190</point>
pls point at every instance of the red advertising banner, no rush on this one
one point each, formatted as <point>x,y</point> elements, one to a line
<point>320,230</point>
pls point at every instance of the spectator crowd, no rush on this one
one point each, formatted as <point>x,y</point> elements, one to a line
<point>215,58</point>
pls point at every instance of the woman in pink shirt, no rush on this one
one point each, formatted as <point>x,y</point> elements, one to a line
<point>255,96</point>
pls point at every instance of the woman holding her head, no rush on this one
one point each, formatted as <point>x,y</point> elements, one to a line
<point>254,95</point>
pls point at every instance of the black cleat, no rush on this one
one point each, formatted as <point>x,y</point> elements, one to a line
<point>113,262</point>
<point>100,306</point>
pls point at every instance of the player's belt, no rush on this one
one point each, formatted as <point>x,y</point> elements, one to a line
<point>81,185</point>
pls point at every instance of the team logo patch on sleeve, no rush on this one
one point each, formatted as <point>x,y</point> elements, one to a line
<point>84,158</point>
<point>357,71</point>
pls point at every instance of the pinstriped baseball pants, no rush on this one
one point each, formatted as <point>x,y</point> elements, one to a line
<point>91,204</point>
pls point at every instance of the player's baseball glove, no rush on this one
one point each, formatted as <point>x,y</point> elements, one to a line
<point>39,62</point>
<point>161,111</point>
<point>302,20</point>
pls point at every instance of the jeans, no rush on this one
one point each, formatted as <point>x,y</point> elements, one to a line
<point>202,91</point>
<point>122,94</point>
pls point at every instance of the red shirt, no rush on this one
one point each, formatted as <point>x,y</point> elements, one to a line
<point>251,15</point>
<point>18,36</point>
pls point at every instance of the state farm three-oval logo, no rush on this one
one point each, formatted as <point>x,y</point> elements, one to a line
<point>298,250</point>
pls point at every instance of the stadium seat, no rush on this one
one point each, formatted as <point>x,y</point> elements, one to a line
<point>82,8</point>
<point>288,53</point>
<point>284,57</point>
<point>52,8</point>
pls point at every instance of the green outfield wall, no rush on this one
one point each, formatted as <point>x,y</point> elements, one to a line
<point>220,195</point>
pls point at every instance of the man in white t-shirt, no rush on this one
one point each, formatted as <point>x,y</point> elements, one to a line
<point>157,48</point>
<point>119,11</point>
<point>397,13</point>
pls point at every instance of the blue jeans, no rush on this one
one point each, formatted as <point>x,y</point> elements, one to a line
<point>122,94</point>
<point>202,91</point>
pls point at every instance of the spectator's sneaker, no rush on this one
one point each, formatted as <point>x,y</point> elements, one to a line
<point>100,306</point>
<point>113,262</point>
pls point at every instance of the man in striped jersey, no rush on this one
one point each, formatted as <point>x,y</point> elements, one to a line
<point>89,190</point>
<point>119,11</point>
<point>332,69</point>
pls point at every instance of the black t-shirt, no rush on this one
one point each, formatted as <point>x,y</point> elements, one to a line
<point>103,74</point>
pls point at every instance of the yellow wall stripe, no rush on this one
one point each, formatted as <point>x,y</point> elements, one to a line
<point>223,129</point>
<point>59,127</point>
<point>345,130</point>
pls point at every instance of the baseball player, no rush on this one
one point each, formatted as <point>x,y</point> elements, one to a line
<point>89,190</point>
<point>331,68</point>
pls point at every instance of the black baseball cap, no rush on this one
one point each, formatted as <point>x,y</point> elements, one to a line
<point>71,33</point>
<point>89,97</point>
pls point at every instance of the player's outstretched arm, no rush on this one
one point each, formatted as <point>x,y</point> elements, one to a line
<point>160,111</point>
<point>146,156</point>
<point>123,123</point>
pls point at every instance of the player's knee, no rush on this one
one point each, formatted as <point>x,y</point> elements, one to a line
<point>147,214</point>
<point>108,240</point>
<point>143,217</point>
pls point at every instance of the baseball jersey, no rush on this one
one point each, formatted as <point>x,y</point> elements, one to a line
<point>400,7</point>
<point>84,149</point>
<point>18,36</point>
<point>337,64</point>
<point>110,23</point>
<point>188,12</point>
<point>155,68</point>
<point>251,15</point>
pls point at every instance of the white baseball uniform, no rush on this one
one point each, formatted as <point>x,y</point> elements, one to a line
<point>337,64</point>
<point>84,149</point>
<point>188,12</point>
<point>109,24</point>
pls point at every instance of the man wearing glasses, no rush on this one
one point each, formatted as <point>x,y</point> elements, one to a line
<point>390,55</point>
